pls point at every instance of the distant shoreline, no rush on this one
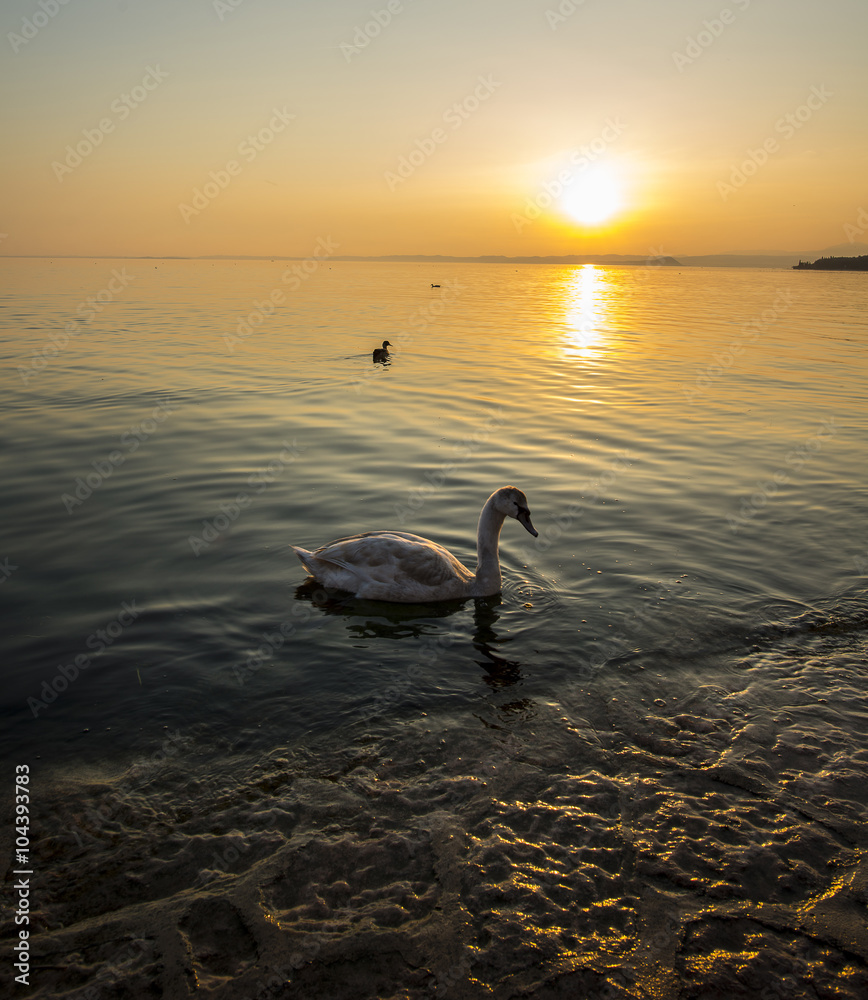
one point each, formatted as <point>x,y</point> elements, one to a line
<point>788,261</point>
<point>834,264</point>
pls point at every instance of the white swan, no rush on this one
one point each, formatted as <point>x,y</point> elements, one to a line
<point>397,566</point>
<point>381,353</point>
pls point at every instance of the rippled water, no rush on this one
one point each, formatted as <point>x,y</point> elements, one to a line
<point>638,772</point>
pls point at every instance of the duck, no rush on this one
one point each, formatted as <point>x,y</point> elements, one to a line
<point>405,568</point>
<point>381,353</point>
<point>435,286</point>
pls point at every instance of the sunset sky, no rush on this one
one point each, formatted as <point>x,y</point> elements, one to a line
<point>465,127</point>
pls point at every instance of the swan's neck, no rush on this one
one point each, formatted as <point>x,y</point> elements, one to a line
<point>487,539</point>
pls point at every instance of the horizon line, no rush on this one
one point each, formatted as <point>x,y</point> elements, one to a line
<point>626,259</point>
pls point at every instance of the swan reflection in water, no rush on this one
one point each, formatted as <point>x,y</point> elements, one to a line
<point>387,620</point>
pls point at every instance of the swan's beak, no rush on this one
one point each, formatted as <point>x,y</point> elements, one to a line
<point>523,518</point>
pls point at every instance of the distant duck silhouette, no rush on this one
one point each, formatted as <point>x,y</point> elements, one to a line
<point>381,353</point>
<point>435,286</point>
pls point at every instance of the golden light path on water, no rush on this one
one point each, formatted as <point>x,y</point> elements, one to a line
<point>584,307</point>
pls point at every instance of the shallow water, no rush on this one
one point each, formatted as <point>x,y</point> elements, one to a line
<point>640,771</point>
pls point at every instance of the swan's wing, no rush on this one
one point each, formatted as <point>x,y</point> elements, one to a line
<point>384,559</point>
<point>382,556</point>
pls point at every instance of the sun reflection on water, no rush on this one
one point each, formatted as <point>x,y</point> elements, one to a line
<point>588,297</point>
<point>585,313</point>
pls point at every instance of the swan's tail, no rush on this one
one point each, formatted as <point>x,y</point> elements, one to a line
<point>305,557</point>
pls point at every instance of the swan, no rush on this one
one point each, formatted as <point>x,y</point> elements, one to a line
<point>381,353</point>
<point>398,566</point>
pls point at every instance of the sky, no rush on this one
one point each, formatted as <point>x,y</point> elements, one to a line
<point>458,127</point>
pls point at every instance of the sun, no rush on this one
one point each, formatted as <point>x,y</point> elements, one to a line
<point>593,197</point>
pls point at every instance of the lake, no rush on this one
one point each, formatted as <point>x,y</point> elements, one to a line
<point>641,770</point>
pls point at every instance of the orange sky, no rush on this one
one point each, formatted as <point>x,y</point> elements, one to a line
<point>259,127</point>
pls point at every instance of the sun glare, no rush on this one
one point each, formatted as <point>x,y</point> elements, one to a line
<point>594,197</point>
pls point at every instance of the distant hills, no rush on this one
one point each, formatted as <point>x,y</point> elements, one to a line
<point>612,258</point>
<point>780,259</point>
<point>773,260</point>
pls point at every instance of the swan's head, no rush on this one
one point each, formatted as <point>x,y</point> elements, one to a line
<point>510,500</point>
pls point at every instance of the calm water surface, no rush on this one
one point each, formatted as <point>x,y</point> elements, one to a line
<point>641,767</point>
